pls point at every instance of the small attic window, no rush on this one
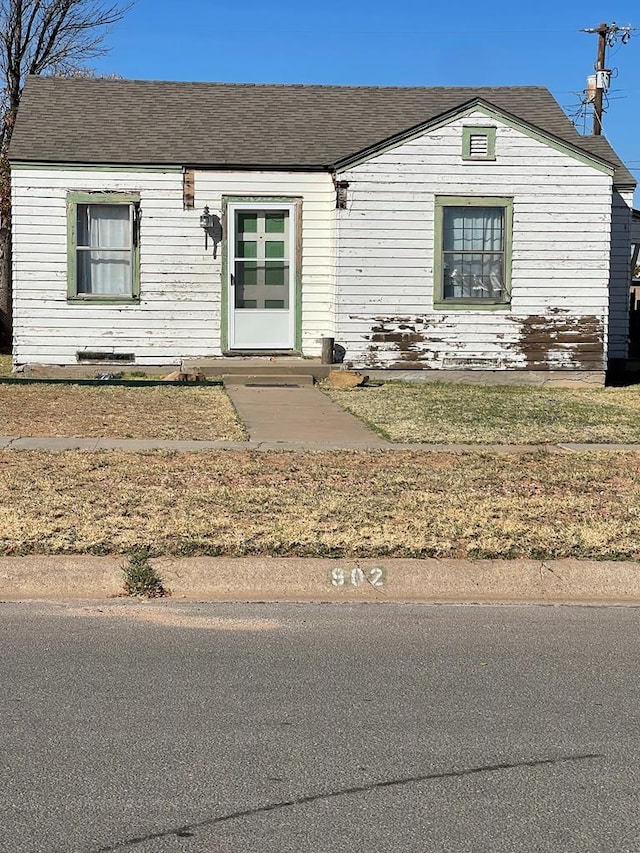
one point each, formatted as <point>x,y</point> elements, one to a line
<point>478,143</point>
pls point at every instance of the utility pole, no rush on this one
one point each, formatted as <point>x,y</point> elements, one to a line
<point>603,32</point>
<point>608,35</point>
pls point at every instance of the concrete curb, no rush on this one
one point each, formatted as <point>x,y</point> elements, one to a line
<point>329,580</point>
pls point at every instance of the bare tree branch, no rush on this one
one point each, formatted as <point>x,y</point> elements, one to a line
<point>41,37</point>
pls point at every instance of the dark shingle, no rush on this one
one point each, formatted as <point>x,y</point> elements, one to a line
<point>218,124</point>
<point>600,147</point>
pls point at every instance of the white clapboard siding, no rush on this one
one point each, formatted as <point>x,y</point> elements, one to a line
<point>562,261</point>
<point>179,314</point>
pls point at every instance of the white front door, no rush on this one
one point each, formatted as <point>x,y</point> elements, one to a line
<point>261,264</point>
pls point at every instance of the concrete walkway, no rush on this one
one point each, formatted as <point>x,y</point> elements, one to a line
<point>295,415</point>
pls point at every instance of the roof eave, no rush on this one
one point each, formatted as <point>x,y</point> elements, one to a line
<point>260,167</point>
<point>146,164</point>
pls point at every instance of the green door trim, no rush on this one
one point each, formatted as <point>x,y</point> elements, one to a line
<point>227,200</point>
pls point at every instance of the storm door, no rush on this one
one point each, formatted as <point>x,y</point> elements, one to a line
<point>261,277</point>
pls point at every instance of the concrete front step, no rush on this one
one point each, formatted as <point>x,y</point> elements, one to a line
<point>266,366</point>
<point>268,380</point>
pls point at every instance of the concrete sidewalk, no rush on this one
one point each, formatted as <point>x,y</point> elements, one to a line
<point>136,445</point>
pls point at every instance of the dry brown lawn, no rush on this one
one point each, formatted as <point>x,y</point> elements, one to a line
<point>118,412</point>
<point>6,365</point>
<point>540,505</point>
<point>496,414</point>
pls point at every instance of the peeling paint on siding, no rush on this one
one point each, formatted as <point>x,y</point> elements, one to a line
<point>410,337</point>
<point>556,340</point>
<point>559,340</point>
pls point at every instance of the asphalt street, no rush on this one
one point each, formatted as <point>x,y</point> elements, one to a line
<point>164,727</point>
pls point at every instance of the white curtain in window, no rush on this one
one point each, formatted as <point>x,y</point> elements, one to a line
<point>473,252</point>
<point>468,229</point>
<point>104,266</point>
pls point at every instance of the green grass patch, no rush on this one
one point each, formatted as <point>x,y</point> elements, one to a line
<point>447,413</point>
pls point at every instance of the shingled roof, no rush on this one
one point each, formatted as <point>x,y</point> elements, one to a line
<point>243,125</point>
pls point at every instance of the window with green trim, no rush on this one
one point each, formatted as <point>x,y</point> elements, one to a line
<point>103,246</point>
<point>473,251</point>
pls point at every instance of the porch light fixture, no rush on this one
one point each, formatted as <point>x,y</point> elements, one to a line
<point>207,221</point>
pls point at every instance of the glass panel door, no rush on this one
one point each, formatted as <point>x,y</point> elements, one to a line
<point>261,261</point>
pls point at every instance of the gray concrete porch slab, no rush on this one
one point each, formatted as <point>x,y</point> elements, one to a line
<point>258,366</point>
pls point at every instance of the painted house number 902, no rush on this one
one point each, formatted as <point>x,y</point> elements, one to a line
<point>356,577</point>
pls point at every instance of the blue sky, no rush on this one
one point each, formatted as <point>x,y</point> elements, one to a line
<point>497,42</point>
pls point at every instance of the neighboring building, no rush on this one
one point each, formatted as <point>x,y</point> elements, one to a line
<point>633,352</point>
<point>635,245</point>
<point>421,228</point>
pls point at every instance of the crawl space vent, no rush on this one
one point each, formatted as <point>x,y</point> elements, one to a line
<point>105,356</point>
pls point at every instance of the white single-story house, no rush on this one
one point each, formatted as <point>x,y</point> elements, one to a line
<point>421,228</point>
